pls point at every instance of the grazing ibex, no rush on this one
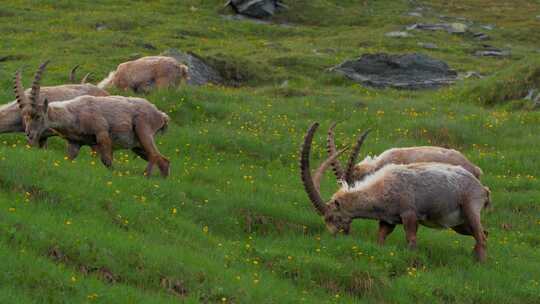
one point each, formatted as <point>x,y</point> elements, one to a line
<point>432,194</point>
<point>395,156</point>
<point>108,123</point>
<point>10,116</point>
<point>145,73</point>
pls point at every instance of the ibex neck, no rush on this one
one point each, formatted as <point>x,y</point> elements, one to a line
<point>366,205</point>
<point>60,118</point>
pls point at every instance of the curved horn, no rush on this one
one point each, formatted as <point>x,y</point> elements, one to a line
<point>309,186</point>
<point>18,88</point>
<point>354,156</point>
<point>331,148</point>
<point>72,74</point>
<point>324,166</point>
<point>85,78</point>
<point>34,94</point>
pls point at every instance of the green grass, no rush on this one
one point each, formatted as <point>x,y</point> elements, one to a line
<point>232,223</point>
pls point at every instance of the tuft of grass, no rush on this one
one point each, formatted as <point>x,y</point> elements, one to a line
<point>509,84</point>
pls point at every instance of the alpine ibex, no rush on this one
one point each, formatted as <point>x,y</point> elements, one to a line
<point>10,116</point>
<point>145,73</point>
<point>110,122</point>
<point>395,156</point>
<point>432,194</point>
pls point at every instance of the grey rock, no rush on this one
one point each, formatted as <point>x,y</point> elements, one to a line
<point>254,20</point>
<point>481,36</point>
<point>489,51</point>
<point>256,8</point>
<point>470,74</point>
<point>199,71</point>
<point>101,27</point>
<point>415,14</point>
<point>397,34</point>
<point>530,95</point>
<point>428,45</point>
<point>488,27</point>
<point>536,103</point>
<point>409,71</point>
<point>454,28</point>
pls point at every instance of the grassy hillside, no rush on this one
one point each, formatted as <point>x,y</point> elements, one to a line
<point>232,224</point>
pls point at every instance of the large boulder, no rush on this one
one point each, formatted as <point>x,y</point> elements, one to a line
<point>409,71</point>
<point>200,72</point>
<point>256,8</point>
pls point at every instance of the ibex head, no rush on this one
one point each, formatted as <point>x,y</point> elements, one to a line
<point>335,217</point>
<point>33,109</point>
<point>185,72</point>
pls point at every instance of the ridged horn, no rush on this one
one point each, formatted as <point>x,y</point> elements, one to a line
<point>73,73</point>
<point>319,173</point>
<point>307,180</point>
<point>34,93</point>
<point>18,88</point>
<point>331,148</point>
<point>85,78</point>
<point>354,157</point>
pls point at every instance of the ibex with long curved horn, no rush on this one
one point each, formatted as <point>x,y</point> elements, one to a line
<point>10,116</point>
<point>369,165</point>
<point>105,122</point>
<point>432,194</point>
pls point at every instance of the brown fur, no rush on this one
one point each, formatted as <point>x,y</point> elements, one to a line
<point>111,122</point>
<point>414,155</point>
<point>399,156</point>
<point>10,115</point>
<point>435,195</point>
<point>146,73</point>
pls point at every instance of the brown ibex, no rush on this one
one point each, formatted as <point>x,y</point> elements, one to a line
<point>432,194</point>
<point>145,73</point>
<point>10,116</point>
<point>108,123</point>
<point>395,156</point>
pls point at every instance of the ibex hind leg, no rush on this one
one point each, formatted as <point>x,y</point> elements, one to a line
<point>145,134</point>
<point>472,216</point>
<point>43,143</point>
<point>384,230</point>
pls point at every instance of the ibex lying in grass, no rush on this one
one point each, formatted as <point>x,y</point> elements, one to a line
<point>395,156</point>
<point>105,122</point>
<point>432,194</point>
<point>10,116</point>
<point>145,73</point>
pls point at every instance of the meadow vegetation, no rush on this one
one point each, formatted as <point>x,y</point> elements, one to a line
<point>232,224</point>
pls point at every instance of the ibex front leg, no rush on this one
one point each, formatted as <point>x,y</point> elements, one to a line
<point>104,147</point>
<point>410,223</point>
<point>73,150</point>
